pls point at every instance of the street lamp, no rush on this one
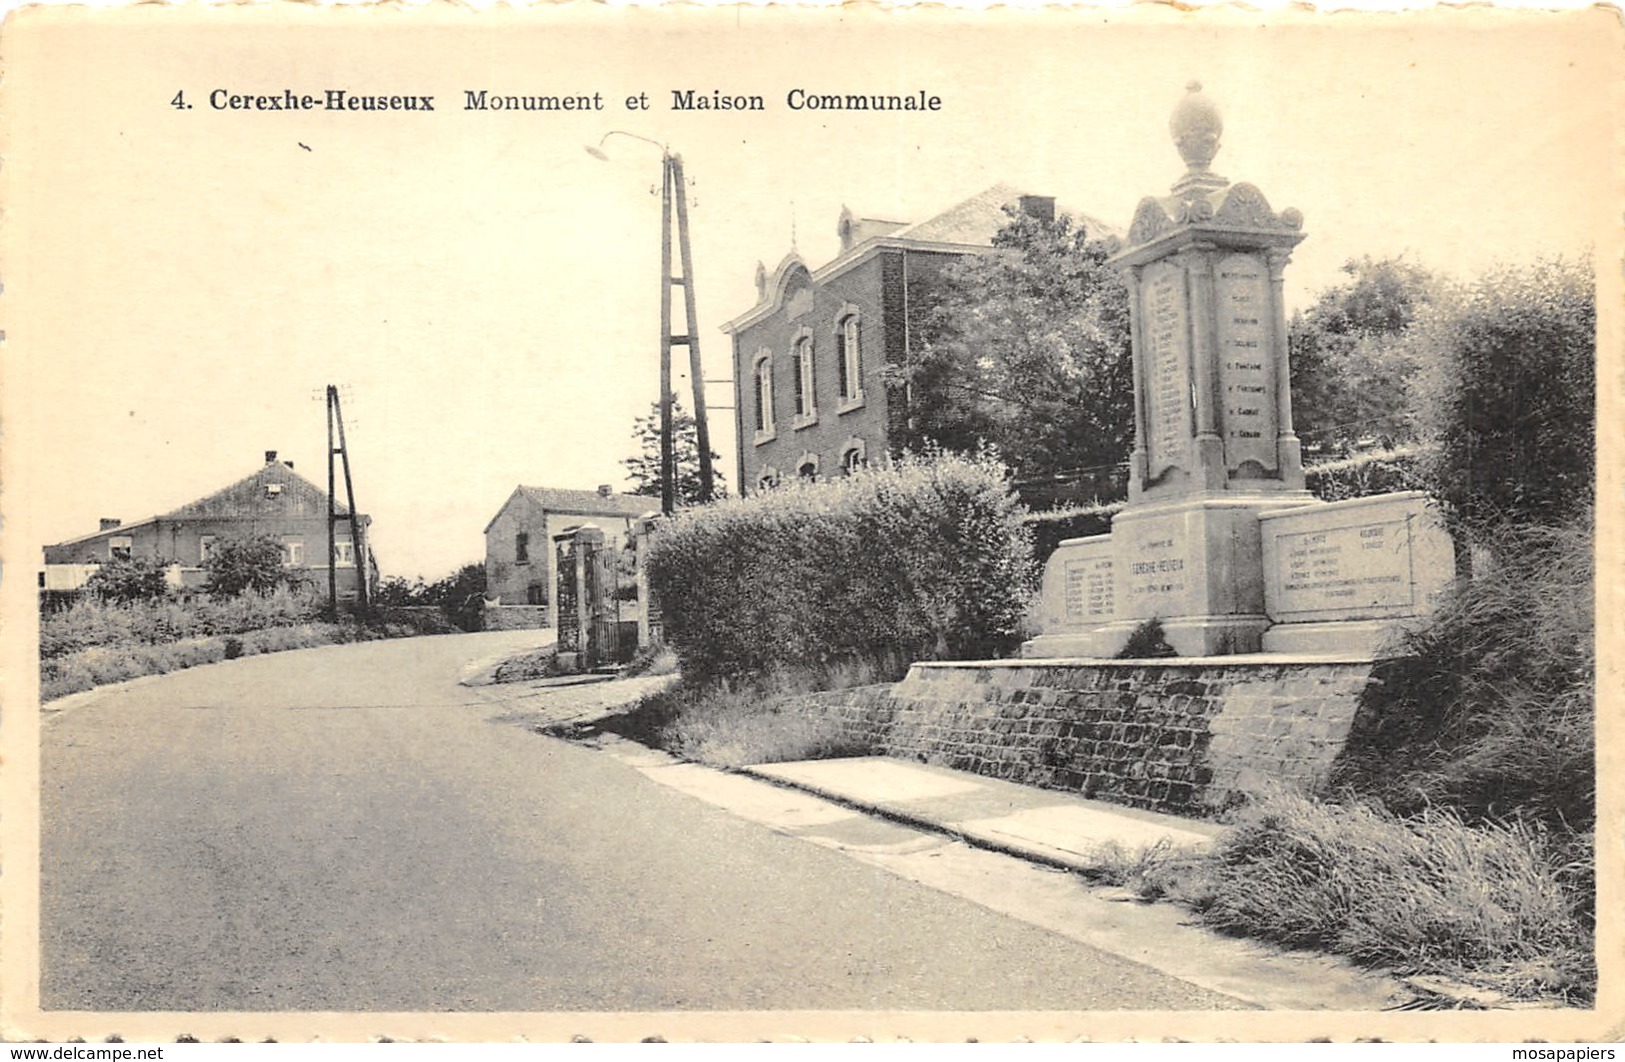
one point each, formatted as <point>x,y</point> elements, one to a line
<point>672,187</point>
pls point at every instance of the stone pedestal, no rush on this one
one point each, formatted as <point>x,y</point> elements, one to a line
<point>1078,595</point>
<point>1352,574</point>
<point>1195,564</point>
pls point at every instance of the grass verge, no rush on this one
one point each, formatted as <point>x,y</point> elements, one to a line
<point>102,665</point>
<point>768,720</point>
<point>1504,906</point>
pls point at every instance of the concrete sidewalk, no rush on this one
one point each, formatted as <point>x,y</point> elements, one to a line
<point>1041,825</point>
<point>853,806</point>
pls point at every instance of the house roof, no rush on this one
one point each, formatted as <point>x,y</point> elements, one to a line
<point>581,502</point>
<point>967,227</point>
<point>242,499</point>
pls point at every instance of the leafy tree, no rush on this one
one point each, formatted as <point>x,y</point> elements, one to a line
<point>1351,377</point>
<point>247,563</point>
<point>1026,349</point>
<point>124,581</point>
<point>460,595</point>
<point>397,591</point>
<point>644,468</point>
<point>1510,395</point>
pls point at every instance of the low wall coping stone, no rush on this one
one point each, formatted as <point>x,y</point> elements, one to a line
<point>1238,660</point>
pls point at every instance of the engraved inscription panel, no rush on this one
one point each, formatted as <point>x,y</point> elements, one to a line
<point>1088,596</point>
<point>1166,366</point>
<point>1247,380</point>
<point>1159,573</point>
<point>1345,569</point>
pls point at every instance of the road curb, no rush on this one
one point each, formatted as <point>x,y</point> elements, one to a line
<point>1031,853</point>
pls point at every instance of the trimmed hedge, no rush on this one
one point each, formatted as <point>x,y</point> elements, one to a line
<point>929,559</point>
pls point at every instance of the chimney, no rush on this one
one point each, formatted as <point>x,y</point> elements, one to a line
<point>1041,207</point>
<point>270,457</point>
<point>110,522</point>
<point>289,464</point>
<point>605,490</point>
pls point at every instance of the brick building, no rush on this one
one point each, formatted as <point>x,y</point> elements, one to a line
<point>519,538</point>
<point>273,501</point>
<point>808,358</point>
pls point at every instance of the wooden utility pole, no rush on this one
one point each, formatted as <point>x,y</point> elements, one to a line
<point>358,546</point>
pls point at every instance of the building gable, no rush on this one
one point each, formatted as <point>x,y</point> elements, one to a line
<point>274,491</point>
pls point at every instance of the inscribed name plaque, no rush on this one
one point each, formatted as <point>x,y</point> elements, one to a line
<point>1075,599</point>
<point>1247,379</point>
<point>1088,594</point>
<point>1368,558</point>
<point>1167,366</point>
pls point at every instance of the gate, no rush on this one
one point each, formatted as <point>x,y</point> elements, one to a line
<point>597,622</point>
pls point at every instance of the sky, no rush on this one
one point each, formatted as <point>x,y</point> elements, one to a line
<point>182,284</point>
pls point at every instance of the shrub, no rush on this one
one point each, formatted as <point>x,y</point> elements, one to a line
<point>1054,526</point>
<point>1366,474</point>
<point>1425,894</point>
<point>929,559</point>
<point>239,565</point>
<point>122,581</point>
<point>1491,713</point>
<point>1510,398</point>
<point>1147,641</point>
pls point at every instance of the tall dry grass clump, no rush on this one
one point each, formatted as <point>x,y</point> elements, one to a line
<point>1491,712</point>
<point>1490,903</point>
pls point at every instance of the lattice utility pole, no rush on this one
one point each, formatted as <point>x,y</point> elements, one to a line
<point>673,187</point>
<point>335,419</point>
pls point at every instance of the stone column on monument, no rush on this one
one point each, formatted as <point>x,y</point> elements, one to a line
<point>1136,322</point>
<point>1289,452</point>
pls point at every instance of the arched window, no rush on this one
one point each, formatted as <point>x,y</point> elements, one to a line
<point>807,467</point>
<point>764,395</point>
<point>767,478</point>
<point>853,455</point>
<point>801,364</point>
<point>849,357</point>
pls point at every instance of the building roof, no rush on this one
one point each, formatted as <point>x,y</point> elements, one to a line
<point>967,227</point>
<point>246,498</point>
<point>581,502</point>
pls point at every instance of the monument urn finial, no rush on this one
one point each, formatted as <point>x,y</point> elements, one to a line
<point>1196,126</point>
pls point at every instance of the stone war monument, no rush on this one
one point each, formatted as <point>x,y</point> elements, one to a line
<point>1220,541</point>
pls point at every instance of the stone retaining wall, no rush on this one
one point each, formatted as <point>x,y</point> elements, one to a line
<point>513,617</point>
<point>1188,736</point>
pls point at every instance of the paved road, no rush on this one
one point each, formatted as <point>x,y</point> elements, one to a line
<point>347,829</point>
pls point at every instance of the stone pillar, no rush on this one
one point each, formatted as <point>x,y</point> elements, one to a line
<point>1137,459</point>
<point>1288,450</point>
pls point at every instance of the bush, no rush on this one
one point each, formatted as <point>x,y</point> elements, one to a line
<point>1425,894</point>
<point>1147,641</point>
<point>1054,526</point>
<point>929,559</point>
<point>1510,400</point>
<point>1366,474</point>
<point>122,581</point>
<point>236,566</point>
<point>1491,712</point>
